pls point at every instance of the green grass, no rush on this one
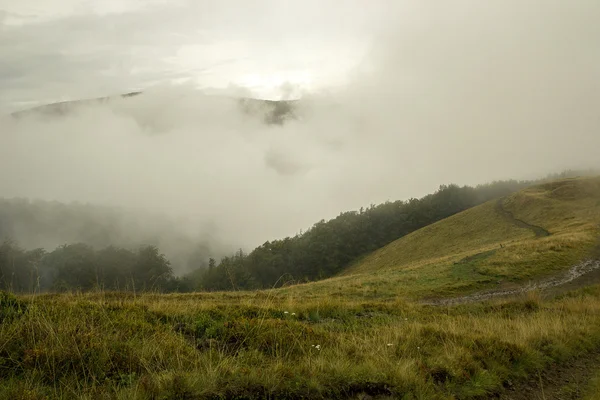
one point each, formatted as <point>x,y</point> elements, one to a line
<point>245,345</point>
<point>445,258</point>
<point>593,390</point>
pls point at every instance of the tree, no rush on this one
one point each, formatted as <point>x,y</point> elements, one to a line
<point>151,271</point>
<point>70,267</point>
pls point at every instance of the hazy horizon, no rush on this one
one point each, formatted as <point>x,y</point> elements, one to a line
<point>395,101</point>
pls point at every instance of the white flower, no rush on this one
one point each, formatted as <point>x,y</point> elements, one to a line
<point>318,347</point>
<point>285,312</point>
<point>389,344</point>
<point>418,348</point>
<point>406,319</point>
<point>293,313</point>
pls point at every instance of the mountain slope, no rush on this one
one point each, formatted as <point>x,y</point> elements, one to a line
<point>270,111</point>
<point>65,107</point>
<point>537,232</point>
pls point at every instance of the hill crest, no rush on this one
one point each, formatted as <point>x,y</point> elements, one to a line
<point>532,234</point>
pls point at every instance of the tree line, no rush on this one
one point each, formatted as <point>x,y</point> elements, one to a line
<point>322,251</point>
<point>47,224</point>
<point>328,247</point>
<point>81,267</point>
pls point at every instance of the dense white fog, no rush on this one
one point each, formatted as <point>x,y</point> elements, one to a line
<point>461,92</point>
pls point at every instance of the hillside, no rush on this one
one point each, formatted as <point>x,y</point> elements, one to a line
<point>537,232</point>
<point>270,111</point>
<point>65,107</point>
<point>357,335</point>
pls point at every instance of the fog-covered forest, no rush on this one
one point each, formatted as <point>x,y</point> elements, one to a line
<point>98,253</point>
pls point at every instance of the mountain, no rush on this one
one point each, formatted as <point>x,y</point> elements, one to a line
<point>270,111</point>
<point>538,233</point>
<point>65,107</point>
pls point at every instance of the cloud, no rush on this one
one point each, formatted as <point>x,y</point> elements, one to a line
<point>463,93</point>
<point>283,164</point>
<point>89,49</point>
<point>87,55</point>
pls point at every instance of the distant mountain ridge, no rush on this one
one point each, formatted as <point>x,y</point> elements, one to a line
<point>64,107</point>
<point>272,111</point>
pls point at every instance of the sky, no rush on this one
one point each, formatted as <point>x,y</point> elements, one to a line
<point>397,97</point>
<point>69,49</point>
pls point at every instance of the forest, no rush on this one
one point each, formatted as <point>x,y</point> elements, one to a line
<point>320,252</point>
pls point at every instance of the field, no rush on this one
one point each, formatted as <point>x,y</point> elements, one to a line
<point>250,346</point>
<point>363,334</point>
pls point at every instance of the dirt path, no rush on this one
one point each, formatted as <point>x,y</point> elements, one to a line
<point>565,381</point>
<point>577,272</point>
<point>582,274</point>
<point>538,230</point>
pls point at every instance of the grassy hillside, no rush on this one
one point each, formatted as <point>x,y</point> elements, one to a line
<point>533,233</point>
<point>352,336</point>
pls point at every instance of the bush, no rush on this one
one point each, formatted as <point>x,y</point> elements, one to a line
<point>10,307</point>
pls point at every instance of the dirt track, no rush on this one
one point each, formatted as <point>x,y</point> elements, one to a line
<point>581,270</point>
<point>571,278</point>
<point>538,230</point>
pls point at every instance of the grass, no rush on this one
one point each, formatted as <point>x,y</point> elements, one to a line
<point>433,261</point>
<point>357,334</point>
<point>117,346</point>
<point>593,390</point>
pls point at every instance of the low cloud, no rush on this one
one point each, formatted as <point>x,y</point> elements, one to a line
<point>463,94</point>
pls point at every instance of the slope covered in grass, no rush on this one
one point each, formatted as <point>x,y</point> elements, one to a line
<point>531,234</point>
<point>247,345</point>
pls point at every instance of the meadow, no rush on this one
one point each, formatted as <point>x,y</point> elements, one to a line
<point>254,345</point>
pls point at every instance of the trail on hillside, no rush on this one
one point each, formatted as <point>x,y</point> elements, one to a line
<point>538,230</point>
<point>576,271</point>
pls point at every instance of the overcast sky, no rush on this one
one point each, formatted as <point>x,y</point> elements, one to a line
<point>67,49</point>
<point>399,97</point>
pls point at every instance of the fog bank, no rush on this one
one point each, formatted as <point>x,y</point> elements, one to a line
<point>462,93</point>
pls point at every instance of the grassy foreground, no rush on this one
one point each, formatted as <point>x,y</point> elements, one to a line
<point>593,391</point>
<point>253,345</point>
